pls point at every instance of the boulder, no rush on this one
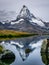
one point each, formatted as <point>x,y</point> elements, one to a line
<point>45,46</point>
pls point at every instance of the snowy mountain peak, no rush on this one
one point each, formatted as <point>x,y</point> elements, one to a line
<point>25,13</point>
<point>24,6</point>
<point>26,22</point>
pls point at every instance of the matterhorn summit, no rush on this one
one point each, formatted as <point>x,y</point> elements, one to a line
<point>25,13</point>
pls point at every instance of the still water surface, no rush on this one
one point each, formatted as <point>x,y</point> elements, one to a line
<point>27,50</point>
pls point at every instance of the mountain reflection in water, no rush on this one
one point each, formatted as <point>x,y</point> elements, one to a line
<point>29,49</point>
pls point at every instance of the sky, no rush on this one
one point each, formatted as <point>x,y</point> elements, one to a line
<point>40,8</point>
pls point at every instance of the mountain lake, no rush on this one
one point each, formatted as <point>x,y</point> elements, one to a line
<point>32,50</point>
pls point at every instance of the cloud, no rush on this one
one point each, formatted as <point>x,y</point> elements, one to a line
<point>7,15</point>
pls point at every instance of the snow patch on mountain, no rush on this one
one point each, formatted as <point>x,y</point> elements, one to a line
<point>39,22</point>
<point>3,22</point>
<point>16,22</point>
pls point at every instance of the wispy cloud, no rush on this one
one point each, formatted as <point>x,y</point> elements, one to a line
<point>38,7</point>
<point>7,15</point>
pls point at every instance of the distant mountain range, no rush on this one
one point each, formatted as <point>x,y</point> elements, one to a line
<point>26,22</point>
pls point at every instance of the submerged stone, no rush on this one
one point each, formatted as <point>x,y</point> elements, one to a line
<point>45,58</point>
<point>45,46</point>
<point>1,49</point>
<point>28,50</point>
<point>8,57</point>
<point>45,52</point>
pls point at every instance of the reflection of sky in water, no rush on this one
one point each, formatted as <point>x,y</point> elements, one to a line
<point>34,57</point>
